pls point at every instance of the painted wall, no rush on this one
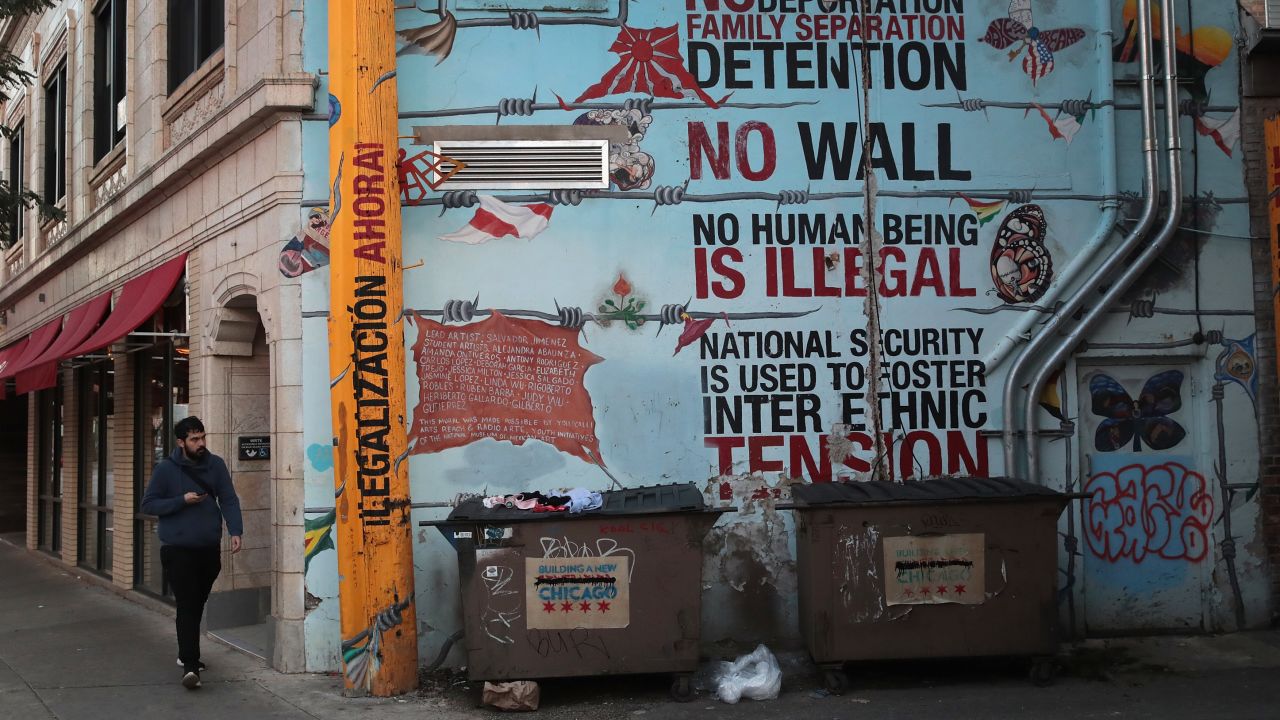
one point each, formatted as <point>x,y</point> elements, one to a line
<point>727,335</point>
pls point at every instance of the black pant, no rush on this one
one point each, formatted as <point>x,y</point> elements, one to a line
<point>191,573</point>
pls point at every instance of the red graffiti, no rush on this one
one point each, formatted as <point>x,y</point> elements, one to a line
<point>1161,510</point>
<point>656,527</point>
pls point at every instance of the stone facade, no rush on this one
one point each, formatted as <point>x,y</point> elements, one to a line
<point>212,169</point>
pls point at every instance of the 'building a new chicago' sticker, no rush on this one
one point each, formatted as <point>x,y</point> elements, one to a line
<point>926,570</point>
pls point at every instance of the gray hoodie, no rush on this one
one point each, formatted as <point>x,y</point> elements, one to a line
<point>198,525</point>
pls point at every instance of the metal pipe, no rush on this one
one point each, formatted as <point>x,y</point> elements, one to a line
<point>1103,272</point>
<point>1134,270</point>
<point>1084,258</point>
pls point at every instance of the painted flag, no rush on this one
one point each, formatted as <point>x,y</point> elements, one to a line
<point>695,329</point>
<point>1068,126</point>
<point>435,39</point>
<point>1225,133</point>
<point>495,219</point>
<point>1065,131</point>
<point>1050,399</point>
<point>986,211</point>
<point>650,63</point>
<point>319,536</point>
<point>1038,61</point>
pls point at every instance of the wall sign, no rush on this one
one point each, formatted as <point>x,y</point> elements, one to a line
<point>254,447</point>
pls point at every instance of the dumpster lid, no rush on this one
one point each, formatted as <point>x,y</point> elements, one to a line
<point>958,489</point>
<point>676,497</point>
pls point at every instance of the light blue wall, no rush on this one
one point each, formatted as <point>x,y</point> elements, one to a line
<point>648,403</point>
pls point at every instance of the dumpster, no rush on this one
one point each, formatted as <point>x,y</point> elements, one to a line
<point>617,590</point>
<point>955,567</point>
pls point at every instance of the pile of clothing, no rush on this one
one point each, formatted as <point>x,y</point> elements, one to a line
<point>574,501</point>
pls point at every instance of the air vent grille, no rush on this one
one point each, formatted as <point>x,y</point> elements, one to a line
<point>524,164</point>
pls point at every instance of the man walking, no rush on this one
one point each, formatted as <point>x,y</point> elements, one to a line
<point>191,531</point>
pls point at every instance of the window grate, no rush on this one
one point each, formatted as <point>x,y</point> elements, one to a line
<point>523,164</point>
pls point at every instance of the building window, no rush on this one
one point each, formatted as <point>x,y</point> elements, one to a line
<point>17,184</point>
<point>55,136</point>
<point>50,468</point>
<point>160,400</point>
<point>108,77</point>
<point>97,480</point>
<point>196,29</point>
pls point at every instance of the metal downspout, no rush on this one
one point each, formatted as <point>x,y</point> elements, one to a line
<point>1103,272</point>
<point>1026,324</point>
<point>1134,270</point>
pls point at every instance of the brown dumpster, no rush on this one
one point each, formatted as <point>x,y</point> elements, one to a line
<point>616,590</point>
<point>955,567</point>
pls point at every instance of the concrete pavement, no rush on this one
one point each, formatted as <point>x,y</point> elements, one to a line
<point>72,650</point>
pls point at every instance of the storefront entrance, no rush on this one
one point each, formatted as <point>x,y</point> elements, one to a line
<point>13,468</point>
<point>161,399</point>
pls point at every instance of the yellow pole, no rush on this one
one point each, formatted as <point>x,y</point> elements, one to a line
<point>1271,136</point>
<point>366,354</point>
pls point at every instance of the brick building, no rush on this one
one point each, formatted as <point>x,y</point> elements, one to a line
<point>169,134</point>
<point>1260,100</point>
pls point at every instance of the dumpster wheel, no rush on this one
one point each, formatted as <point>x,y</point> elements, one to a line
<point>682,688</point>
<point>835,680</point>
<point>1044,671</point>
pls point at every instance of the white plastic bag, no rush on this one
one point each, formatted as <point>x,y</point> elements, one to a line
<point>755,677</point>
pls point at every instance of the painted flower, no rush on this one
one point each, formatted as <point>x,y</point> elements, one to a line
<point>622,288</point>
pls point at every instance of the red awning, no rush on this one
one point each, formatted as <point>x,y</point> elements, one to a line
<point>37,342</point>
<point>11,353</point>
<point>139,300</point>
<point>8,355</point>
<point>77,326</point>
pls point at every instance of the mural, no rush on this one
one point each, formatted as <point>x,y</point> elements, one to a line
<point>309,249</point>
<point>319,536</point>
<point>1204,48</point>
<point>1036,46</point>
<point>1020,263</point>
<point>1142,421</point>
<point>819,229</point>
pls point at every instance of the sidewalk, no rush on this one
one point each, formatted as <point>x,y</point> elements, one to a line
<point>72,650</point>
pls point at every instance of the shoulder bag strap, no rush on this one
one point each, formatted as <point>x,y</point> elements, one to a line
<point>194,478</point>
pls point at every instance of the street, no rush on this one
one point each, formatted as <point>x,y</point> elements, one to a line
<point>72,650</point>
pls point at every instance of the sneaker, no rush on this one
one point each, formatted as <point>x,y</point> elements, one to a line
<point>199,665</point>
<point>191,680</point>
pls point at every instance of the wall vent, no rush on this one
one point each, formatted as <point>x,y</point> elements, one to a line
<point>523,164</point>
<point>1272,19</point>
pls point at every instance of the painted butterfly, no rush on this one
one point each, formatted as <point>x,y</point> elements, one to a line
<point>1020,263</point>
<point>1144,421</point>
<point>1037,46</point>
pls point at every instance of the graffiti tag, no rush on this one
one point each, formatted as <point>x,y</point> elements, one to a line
<point>604,547</point>
<point>1160,510</point>
<point>554,642</point>
<point>497,620</point>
